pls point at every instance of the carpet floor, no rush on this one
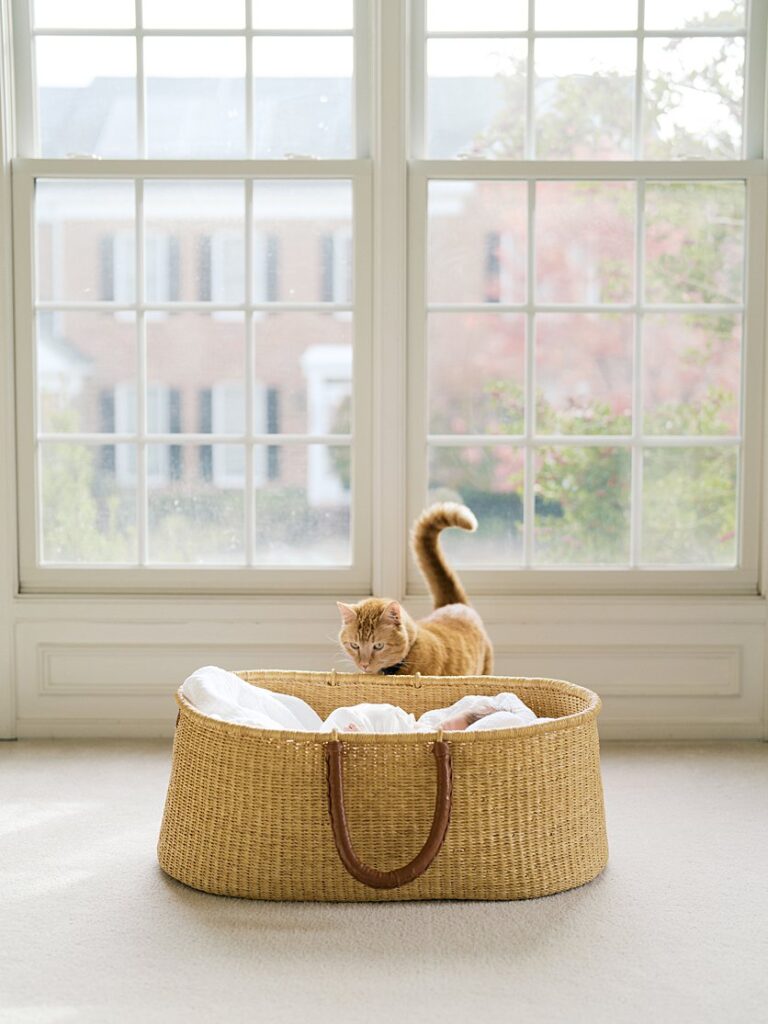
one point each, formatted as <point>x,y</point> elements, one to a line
<point>675,930</point>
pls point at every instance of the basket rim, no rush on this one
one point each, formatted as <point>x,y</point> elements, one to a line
<point>333,678</point>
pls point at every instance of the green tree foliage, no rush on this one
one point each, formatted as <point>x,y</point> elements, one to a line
<point>86,517</point>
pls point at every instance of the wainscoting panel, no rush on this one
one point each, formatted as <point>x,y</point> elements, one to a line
<point>104,670</point>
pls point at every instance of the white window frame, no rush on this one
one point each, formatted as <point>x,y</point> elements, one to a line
<point>390,205</point>
<point>357,171</point>
<point>744,579</point>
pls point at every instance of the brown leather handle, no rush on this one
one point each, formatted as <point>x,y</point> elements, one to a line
<point>399,876</point>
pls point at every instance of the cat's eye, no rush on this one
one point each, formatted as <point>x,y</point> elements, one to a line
<point>355,647</point>
<point>377,647</point>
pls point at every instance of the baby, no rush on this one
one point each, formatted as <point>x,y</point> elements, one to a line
<point>456,723</point>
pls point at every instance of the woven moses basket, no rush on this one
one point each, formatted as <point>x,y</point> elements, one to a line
<point>496,815</point>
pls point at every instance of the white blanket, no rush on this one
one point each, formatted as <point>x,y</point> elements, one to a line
<point>228,698</point>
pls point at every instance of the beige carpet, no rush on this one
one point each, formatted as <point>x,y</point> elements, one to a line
<point>675,930</point>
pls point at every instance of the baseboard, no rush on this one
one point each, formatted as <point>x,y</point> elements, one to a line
<point>691,729</point>
<point>94,728</point>
<point>618,729</point>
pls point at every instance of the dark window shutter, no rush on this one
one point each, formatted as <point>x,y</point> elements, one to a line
<point>174,411</point>
<point>174,270</point>
<point>107,426</point>
<point>273,427</point>
<point>272,268</point>
<point>492,267</point>
<point>205,284</point>
<point>326,268</point>
<point>174,427</point>
<point>107,268</point>
<point>205,421</point>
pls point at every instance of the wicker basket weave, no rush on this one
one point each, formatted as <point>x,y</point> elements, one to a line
<point>275,815</point>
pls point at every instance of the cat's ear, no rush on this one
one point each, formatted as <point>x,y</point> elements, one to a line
<point>348,613</point>
<point>393,613</point>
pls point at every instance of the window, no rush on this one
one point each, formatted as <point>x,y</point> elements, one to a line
<point>256,256</point>
<point>582,318</point>
<point>178,287</point>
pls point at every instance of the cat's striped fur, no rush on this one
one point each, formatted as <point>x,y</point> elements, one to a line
<point>381,637</point>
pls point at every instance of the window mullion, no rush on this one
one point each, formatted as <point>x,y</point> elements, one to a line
<point>393,261</point>
<point>638,111</point>
<point>529,475</point>
<point>24,57</point>
<point>141,92</point>
<point>636,467</point>
<point>250,376</point>
<point>141,379</point>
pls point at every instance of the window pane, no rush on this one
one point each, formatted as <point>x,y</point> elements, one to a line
<point>476,373</point>
<point>196,364</point>
<point>196,506</point>
<point>77,223</point>
<point>183,14</point>
<point>81,357</point>
<point>477,241</point>
<point>302,504</point>
<point>195,97</point>
<point>689,506</point>
<point>585,241</point>
<point>694,247</point>
<point>582,506</point>
<point>302,374</point>
<point>302,89</point>
<point>678,14</point>
<point>194,241</point>
<point>584,373</point>
<point>292,14</point>
<point>554,15</point>
<point>300,217</point>
<point>693,93</point>
<point>494,15</point>
<point>490,481</point>
<point>476,97</point>
<point>86,96</point>
<point>584,98</point>
<point>84,14</point>
<point>88,503</point>
<point>692,377</point>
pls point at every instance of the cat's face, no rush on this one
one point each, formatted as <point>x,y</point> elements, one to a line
<point>373,634</point>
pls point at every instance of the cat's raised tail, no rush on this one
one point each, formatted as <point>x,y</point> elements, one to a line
<point>443,583</point>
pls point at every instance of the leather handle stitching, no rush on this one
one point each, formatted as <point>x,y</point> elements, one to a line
<point>362,872</point>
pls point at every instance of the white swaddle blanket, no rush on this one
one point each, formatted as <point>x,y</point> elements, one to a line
<point>228,698</point>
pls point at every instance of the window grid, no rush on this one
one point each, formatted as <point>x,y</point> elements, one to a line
<point>422,36</point>
<point>28,100</point>
<point>530,441</point>
<point>434,170</point>
<point>477,168</point>
<point>250,438</point>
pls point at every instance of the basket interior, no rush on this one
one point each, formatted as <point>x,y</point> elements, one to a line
<point>547,698</point>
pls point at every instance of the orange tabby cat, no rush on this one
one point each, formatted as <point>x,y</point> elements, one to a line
<point>380,636</point>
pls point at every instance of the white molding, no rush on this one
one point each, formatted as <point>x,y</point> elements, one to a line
<point>8,555</point>
<point>182,169</point>
<point>390,261</point>
<point>598,170</point>
<point>658,670</point>
<point>665,669</point>
<point>127,671</point>
<point>643,730</point>
<point>655,729</point>
<point>99,728</point>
